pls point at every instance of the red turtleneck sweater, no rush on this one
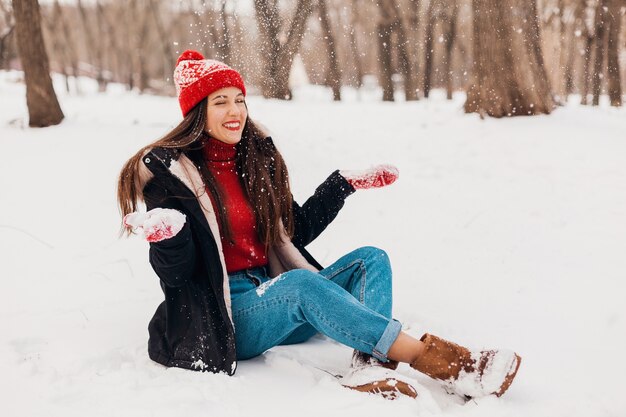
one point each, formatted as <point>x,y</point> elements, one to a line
<point>247,251</point>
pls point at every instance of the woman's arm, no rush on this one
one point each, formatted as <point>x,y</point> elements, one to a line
<point>320,209</point>
<point>172,249</point>
<point>174,259</point>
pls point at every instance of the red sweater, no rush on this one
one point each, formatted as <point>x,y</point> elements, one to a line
<point>247,251</point>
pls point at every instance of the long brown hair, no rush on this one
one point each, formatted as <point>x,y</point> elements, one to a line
<point>262,172</point>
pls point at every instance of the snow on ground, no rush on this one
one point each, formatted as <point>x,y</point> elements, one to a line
<point>502,233</point>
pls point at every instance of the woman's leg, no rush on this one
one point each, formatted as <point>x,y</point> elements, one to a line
<point>366,274</point>
<point>267,316</point>
<point>405,349</point>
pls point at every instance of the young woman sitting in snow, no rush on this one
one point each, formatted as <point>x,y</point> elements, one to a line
<point>227,242</point>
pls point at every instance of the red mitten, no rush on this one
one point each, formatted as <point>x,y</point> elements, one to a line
<point>375,177</point>
<point>158,224</point>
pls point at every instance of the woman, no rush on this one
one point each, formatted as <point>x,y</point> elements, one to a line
<point>228,244</point>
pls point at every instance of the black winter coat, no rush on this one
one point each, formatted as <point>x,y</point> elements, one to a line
<point>192,328</point>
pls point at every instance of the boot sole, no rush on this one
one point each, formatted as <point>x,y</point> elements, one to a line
<point>510,376</point>
<point>389,389</point>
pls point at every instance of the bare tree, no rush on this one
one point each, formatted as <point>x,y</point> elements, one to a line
<point>509,77</point>
<point>110,47</point>
<point>573,25</point>
<point>354,46</point>
<point>431,15</point>
<point>169,59</point>
<point>278,56</point>
<point>614,20</point>
<point>333,78</point>
<point>102,35</point>
<point>225,41</point>
<point>588,37</point>
<point>93,44</point>
<point>599,47</point>
<point>6,35</point>
<point>413,33</point>
<point>391,22</point>
<point>43,106</point>
<point>449,36</point>
<point>65,48</point>
<point>603,41</point>
<point>385,27</point>
<point>445,13</point>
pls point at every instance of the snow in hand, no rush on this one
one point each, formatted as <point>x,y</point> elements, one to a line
<point>376,177</point>
<point>157,224</point>
<point>504,233</point>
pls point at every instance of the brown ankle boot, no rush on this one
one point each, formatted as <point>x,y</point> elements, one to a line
<point>368,374</point>
<point>469,373</point>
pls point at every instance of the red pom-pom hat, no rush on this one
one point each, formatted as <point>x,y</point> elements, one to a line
<point>196,78</point>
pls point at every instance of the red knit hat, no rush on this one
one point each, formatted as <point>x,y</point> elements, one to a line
<point>196,78</point>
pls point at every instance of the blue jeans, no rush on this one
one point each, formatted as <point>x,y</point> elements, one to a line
<point>350,302</point>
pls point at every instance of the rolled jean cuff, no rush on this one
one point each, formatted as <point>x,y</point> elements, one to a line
<point>386,340</point>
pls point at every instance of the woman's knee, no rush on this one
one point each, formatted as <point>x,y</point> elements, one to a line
<point>374,256</point>
<point>372,252</point>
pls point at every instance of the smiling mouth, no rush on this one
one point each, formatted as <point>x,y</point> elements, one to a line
<point>233,126</point>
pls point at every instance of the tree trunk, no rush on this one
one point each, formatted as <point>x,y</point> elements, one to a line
<point>277,56</point>
<point>414,40</point>
<point>93,48</point>
<point>587,57</point>
<point>164,36</point>
<point>111,51</point>
<point>5,42</point>
<point>43,106</point>
<point>137,54</point>
<point>613,72</point>
<point>102,35</point>
<point>6,37</point>
<point>333,78</point>
<point>129,16</point>
<point>428,47</point>
<point>391,22</point>
<point>406,66</point>
<point>449,38</point>
<point>564,40</point>
<point>226,38</point>
<point>576,29</point>
<point>204,26</point>
<point>600,32</point>
<point>384,59</point>
<point>354,46</point>
<point>59,51</point>
<point>70,46</point>
<point>508,78</point>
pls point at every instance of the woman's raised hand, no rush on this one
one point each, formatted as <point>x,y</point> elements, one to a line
<point>375,177</point>
<point>158,224</point>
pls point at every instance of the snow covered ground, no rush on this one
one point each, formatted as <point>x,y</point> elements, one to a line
<point>502,233</point>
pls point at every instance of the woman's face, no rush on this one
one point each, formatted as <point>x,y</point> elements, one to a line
<point>226,115</point>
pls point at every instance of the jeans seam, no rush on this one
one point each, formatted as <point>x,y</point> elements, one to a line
<point>363,283</point>
<point>339,270</point>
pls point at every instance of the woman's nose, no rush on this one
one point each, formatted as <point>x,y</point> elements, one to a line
<point>233,109</point>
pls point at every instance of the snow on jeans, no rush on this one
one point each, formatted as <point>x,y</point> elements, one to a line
<point>350,302</point>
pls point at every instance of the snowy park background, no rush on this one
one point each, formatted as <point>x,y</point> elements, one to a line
<point>502,233</point>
